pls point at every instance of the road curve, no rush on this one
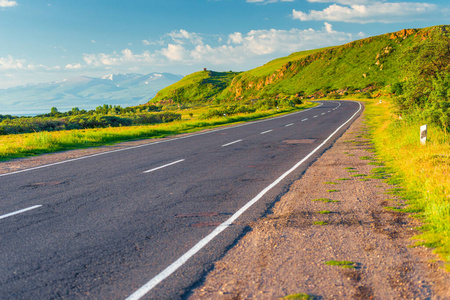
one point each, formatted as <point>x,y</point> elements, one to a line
<point>149,221</point>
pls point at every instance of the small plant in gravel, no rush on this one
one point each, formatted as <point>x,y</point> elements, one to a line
<point>324,212</point>
<point>343,264</point>
<point>342,179</point>
<point>352,171</point>
<point>332,191</point>
<point>330,182</point>
<point>359,175</point>
<point>349,168</point>
<point>376,163</point>
<point>366,158</point>
<point>320,223</point>
<point>326,200</point>
<point>300,296</point>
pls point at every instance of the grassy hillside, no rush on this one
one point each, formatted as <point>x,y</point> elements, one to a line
<point>196,87</point>
<point>364,66</point>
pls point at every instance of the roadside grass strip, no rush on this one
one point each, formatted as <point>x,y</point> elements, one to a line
<point>423,171</point>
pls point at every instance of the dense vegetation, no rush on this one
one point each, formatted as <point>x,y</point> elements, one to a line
<point>101,117</point>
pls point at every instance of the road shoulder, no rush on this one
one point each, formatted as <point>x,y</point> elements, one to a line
<point>289,251</point>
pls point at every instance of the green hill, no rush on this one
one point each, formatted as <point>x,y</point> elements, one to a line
<point>199,86</point>
<point>364,66</point>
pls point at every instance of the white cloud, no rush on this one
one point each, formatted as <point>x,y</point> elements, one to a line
<point>73,67</point>
<point>174,52</point>
<point>125,57</point>
<point>182,37</point>
<point>7,3</point>
<point>376,12</point>
<point>241,48</point>
<point>235,38</point>
<point>11,63</point>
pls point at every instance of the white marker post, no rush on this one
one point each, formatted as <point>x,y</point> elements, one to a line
<point>423,134</point>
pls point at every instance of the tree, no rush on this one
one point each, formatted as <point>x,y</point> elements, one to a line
<point>54,111</point>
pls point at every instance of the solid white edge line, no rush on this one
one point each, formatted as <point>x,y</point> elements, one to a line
<point>172,163</point>
<point>267,131</point>
<point>19,211</point>
<point>232,143</point>
<point>138,294</point>
<point>158,142</point>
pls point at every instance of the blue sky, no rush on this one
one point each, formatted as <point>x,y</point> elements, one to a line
<point>46,40</point>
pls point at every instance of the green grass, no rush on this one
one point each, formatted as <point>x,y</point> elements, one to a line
<point>324,212</point>
<point>358,175</point>
<point>326,200</point>
<point>343,179</point>
<point>349,168</point>
<point>330,182</point>
<point>333,191</point>
<point>300,296</point>
<point>421,173</point>
<point>343,264</point>
<point>366,158</point>
<point>320,223</point>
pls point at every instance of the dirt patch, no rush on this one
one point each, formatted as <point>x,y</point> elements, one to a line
<point>336,211</point>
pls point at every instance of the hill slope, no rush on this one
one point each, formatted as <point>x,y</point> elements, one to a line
<point>369,64</point>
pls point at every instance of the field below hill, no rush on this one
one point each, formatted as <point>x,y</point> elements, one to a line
<point>51,133</point>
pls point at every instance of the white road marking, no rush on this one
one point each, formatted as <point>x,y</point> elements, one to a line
<point>232,143</point>
<point>322,114</point>
<point>329,111</point>
<point>138,294</point>
<point>267,131</point>
<point>19,211</point>
<point>155,143</point>
<point>305,120</point>
<point>172,163</point>
<point>315,116</point>
<point>289,125</point>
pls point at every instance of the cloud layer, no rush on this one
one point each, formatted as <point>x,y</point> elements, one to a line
<point>191,48</point>
<point>7,3</point>
<point>366,11</point>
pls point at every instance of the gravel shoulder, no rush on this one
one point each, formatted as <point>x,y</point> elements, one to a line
<point>286,252</point>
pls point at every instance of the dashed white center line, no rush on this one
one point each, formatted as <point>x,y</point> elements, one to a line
<point>232,143</point>
<point>267,131</point>
<point>315,116</point>
<point>289,125</point>
<point>19,211</point>
<point>172,163</point>
<point>329,111</point>
<point>304,120</point>
<point>322,114</point>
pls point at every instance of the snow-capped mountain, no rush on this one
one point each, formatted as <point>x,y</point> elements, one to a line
<point>84,92</point>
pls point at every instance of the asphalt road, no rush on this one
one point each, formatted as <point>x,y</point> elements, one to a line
<point>103,226</point>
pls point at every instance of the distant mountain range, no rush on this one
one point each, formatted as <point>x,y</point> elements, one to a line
<point>84,92</point>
